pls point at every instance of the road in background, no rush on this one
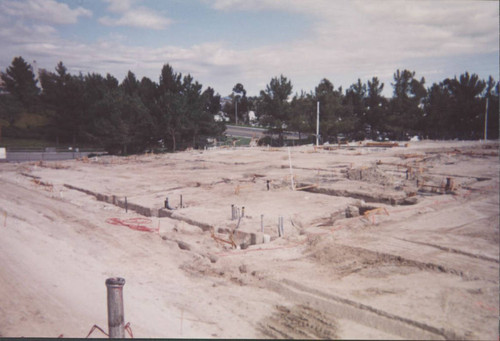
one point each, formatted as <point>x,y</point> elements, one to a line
<point>19,155</point>
<point>249,132</point>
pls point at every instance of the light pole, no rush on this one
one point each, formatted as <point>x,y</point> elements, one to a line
<point>317,124</point>
<point>236,110</point>
<point>486,121</point>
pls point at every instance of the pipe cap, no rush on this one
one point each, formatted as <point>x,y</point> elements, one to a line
<point>115,282</point>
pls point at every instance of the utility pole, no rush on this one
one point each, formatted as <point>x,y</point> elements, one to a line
<point>236,110</point>
<point>486,121</point>
<point>317,124</point>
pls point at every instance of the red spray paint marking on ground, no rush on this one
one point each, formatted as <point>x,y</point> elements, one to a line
<point>134,224</point>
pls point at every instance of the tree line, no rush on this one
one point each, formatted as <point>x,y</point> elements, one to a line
<point>127,117</point>
<point>131,116</point>
<point>455,108</point>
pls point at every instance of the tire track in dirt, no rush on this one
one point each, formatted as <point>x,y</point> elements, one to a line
<point>448,249</point>
<point>360,258</point>
<point>340,307</point>
<point>298,322</point>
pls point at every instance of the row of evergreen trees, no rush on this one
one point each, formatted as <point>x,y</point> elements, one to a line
<point>454,108</point>
<point>126,117</point>
<point>175,113</point>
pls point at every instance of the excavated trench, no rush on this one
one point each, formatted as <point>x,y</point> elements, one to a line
<point>400,199</point>
<point>142,210</point>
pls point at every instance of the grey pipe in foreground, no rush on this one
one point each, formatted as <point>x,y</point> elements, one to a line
<point>116,318</point>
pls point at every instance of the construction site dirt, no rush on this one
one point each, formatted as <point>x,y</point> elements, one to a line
<point>349,241</point>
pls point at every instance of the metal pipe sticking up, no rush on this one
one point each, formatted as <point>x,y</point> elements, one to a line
<point>167,206</point>
<point>232,211</point>
<point>280,226</point>
<point>126,205</point>
<point>116,315</point>
<point>243,211</point>
<point>449,184</point>
<point>181,206</point>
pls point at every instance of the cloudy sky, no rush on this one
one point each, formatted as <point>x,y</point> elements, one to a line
<point>224,42</point>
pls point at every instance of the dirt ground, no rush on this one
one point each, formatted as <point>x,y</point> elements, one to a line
<point>377,243</point>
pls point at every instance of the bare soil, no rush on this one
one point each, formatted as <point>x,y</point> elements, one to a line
<point>378,243</point>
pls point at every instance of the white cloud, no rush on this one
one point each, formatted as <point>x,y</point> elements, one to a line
<point>48,11</point>
<point>134,16</point>
<point>347,40</point>
<point>360,38</point>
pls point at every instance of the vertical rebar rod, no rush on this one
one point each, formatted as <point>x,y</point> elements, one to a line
<point>232,211</point>
<point>243,211</point>
<point>181,201</point>
<point>126,205</point>
<point>116,315</point>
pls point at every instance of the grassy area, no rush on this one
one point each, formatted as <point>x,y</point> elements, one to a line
<point>243,141</point>
<point>240,141</point>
